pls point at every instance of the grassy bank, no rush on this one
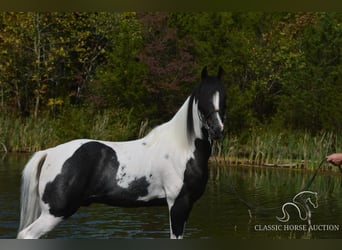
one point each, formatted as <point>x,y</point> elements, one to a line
<point>279,149</point>
<point>260,146</point>
<point>28,135</point>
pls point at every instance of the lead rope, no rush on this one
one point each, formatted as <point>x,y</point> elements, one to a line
<point>262,210</point>
<point>314,175</point>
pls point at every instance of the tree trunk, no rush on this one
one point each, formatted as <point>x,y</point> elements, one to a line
<point>37,49</point>
<point>2,95</point>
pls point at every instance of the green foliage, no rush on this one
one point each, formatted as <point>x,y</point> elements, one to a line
<point>312,86</point>
<point>119,82</point>
<point>265,146</point>
<point>26,135</point>
<point>109,125</point>
<point>50,55</point>
<point>29,135</point>
<point>282,71</point>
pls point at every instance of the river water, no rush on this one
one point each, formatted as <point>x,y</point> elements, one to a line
<point>219,214</point>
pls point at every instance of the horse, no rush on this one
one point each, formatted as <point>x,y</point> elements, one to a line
<point>301,202</point>
<point>168,167</point>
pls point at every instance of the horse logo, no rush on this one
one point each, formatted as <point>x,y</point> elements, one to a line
<point>301,202</point>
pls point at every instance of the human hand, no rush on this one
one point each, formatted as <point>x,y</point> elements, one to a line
<point>335,159</point>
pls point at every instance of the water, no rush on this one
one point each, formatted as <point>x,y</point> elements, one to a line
<point>219,214</point>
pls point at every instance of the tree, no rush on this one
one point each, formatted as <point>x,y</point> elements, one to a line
<point>119,81</point>
<point>51,56</point>
<point>307,101</point>
<point>169,61</point>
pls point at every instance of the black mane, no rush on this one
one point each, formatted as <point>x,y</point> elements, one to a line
<point>190,120</point>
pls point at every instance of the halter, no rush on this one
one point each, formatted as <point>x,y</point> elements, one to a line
<point>211,113</point>
<point>205,119</point>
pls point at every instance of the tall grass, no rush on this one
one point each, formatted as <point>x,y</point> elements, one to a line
<point>25,135</point>
<point>28,135</point>
<point>260,146</point>
<point>288,149</point>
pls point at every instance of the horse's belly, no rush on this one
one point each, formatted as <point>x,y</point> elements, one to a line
<point>123,202</point>
<point>129,197</point>
<point>142,191</point>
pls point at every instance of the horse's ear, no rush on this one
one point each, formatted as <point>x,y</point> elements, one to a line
<point>220,73</point>
<point>204,73</point>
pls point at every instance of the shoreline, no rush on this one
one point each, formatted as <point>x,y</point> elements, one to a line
<point>326,167</point>
<point>223,162</point>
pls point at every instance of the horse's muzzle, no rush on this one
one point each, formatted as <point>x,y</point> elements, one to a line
<point>215,126</point>
<point>216,133</point>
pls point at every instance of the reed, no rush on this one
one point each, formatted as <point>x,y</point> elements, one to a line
<point>24,135</point>
<point>111,126</point>
<point>260,146</point>
<point>29,135</point>
<point>282,149</point>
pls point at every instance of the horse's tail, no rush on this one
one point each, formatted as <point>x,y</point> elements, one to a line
<point>286,216</point>
<point>29,200</point>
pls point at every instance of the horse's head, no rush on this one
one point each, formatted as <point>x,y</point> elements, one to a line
<point>307,197</point>
<point>210,97</point>
<point>313,199</point>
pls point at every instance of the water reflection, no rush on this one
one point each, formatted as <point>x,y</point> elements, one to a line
<point>270,188</point>
<point>219,214</point>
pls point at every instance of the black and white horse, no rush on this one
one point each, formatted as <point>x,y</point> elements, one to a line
<point>167,167</point>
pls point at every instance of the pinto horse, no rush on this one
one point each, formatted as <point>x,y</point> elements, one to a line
<point>168,167</point>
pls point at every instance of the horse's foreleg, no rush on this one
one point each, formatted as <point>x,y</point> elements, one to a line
<point>179,213</point>
<point>45,223</point>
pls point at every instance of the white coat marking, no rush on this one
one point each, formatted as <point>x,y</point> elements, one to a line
<point>216,103</point>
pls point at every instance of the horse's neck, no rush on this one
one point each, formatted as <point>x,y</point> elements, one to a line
<point>187,132</point>
<point>173,136</point>
<point>175,133</point>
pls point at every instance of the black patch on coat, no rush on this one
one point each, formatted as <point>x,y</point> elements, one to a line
<point>89,175</point>
<point>195,181</point>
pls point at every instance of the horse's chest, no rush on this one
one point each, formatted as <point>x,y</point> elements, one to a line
<point>196,171</point>
<point>189,180</point>
<point>195,178</point>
